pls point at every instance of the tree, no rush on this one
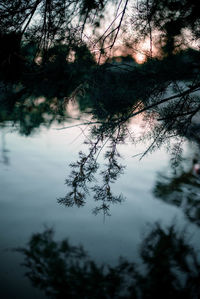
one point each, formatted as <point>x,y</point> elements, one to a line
<point>54,30</point>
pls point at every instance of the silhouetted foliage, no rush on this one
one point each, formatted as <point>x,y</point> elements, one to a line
<point>61,270</point>
<point>44,53</point>
<point>176,23</point>
<point>83,171</point>
<point>182,190</point>
<point>168,117</point>
<point>47,60</point>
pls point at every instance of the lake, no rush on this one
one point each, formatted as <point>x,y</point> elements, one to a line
<point>33,170</point>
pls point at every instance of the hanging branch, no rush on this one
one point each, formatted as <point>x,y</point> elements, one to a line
<point>31,16</point>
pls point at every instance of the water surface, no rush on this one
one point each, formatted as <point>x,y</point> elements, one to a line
<point>33,170</point>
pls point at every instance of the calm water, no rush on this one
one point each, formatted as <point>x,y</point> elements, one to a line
<point>32,174</point>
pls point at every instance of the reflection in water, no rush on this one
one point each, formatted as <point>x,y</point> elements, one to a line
<point>44,66</point>
<point>111,97</point>
<point>181,189</point>
<point>171,268</point>
<point>4,150</point>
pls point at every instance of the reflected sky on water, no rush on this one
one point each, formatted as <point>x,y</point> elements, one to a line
<point>33,180</point>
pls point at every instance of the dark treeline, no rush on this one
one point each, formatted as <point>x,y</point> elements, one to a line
<point>45,53</point>
<point>47,59</point>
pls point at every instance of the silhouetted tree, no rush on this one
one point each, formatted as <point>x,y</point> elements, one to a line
<point>38,39</point>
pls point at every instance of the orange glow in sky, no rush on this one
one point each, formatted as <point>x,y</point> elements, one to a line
<point>140,52</point>
<point>140,58</point>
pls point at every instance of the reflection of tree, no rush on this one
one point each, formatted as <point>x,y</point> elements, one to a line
<point>167,255</point>
<point>45,53</point>
<point>181,189</point>
<point>4,150</point>
<point>57,34</point>
<point>42,94</point>
<point>65,271</point>
<point>113,102</point>
<point>62,270</point>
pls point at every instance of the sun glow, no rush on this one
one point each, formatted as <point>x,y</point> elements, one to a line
<point>140,58</point>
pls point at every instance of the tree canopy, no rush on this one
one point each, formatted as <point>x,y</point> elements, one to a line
<point>63,50</point>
